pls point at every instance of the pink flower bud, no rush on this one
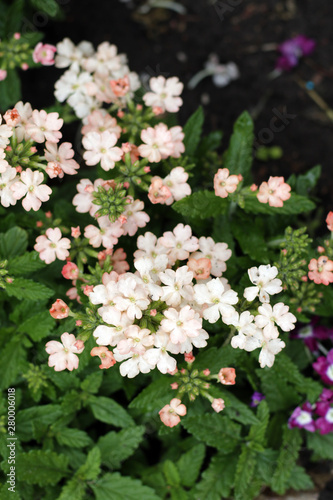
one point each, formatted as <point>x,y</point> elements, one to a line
<point>218,405</point>
<point>3,74</point>
<point>78,322</point>
<point>189,358</point>
<point>153,312</point>
<point>174,386</point>
<point>106,356</point>
<point>12,117</point>
<point>75,231</point>
<point>59,309</point>
<point>48,214</point>
<point>206,372</point>
<point>24,66</point>
<point>17,36</point>
<point>227,376</point>
<point>88,289</point>
<point>44,54</point>
<point>120,113</point>
<point>70,271</point>
<point>39,223</point>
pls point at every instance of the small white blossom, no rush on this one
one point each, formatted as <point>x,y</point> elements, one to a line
<point>265,281</point>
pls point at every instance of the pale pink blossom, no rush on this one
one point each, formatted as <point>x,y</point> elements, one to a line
<point>217,253</point>
<point>83,200</point>
<point>320,271</point>
<point>64,355</point>
<point>117,259</point>
<point>3,75</point>
<point>149,246</point>
<point>31,188</point>
<point>135,217</point>
<point>159,356</point>
<point>3,162</point>
<point>68,53</point>
<point>132,297</point>
<point>179,243</point>
<point>177,136</point>
<point>5,133</point>
<point>12,117</point>
<point>170,414</point>
<point>99,121</point>
<point>75,232</point>
<point>227,376</point>
<point>158,143</point>
<point>149,271</point>
<point>59,309</point>
<point>107,234</point>
<point>274,192</point>
<point>106,59</point>
<point>44,126</point>
<point>136,340</point>
<point>106,356</point>
<point>181,324</point>
<point>44,54</point>
<point>70,271</point>
<point>120,87</point>
<point>62,156</point>
<point>25,112</point>
<point>218,301</point>
<point>178,285</point>
<point>200,268</point>
<point>51,246</point>
<point>177,185</point>
<point>270,316</point>
<point>224,184</point>
<point>158,192</point>
<point>7,179</point>
<point>100,148</point>
<point>165,94</point>
<point>218,405</point>
<point>329,221</point>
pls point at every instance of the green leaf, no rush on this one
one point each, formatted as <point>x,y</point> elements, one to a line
<point>50,7</point>
<point>239,156</point>
<point>251,238</point>
<point>41,467</point>
<point>299,479</point>
<point>14,17</point>
<point>117,487</point>
<point>108,411</point>
<point>295,205</point>
<point>192,131</point>
<point>23,288</point>
<point>13,242</point>
<point>266,463</point>
<point>153,397</point>
<point>321,444</point>
<point>215,430</point>
<point>93,382</point>
<point>190,463</point>
<point>306,182</point>
<point>171,473</point>
<point>25,264</point>
<point>91,469</point>
<point>38,326</point>
<point>291,444</point>
<point>29,420</point>
<point>218,479</point>
<point>10,90</point>
<point>258,431</point>
<point>12,358</point>
<point>74,490</point>
<point>202,204</point>
<point>74,438</point>
<point>118,446</point>
<point>244,473</point>
<point>209,143</point>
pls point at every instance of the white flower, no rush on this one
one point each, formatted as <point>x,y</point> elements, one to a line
<point>269,348</point>
<point>72,86</point>
<point>68,54</point>
<point>100,148</point>
<point>158,356</point>
<point>136,340</point>
<point>7,179</point>
<point>245,326</point>
<point>132,297</point>
<point>219,301</point>
<point>149,246</point>
<point>165,94</point>
<point>5,133</point>
<point>134,365</point>
<point>279,315</point>
<point>135,217</point>
<point>31,188</point>
<point>178,285</point>
<point>148,273</point>
<point>179,243</point>
<point>83,201</point>
<point>44,126</point>
<point>217,253</point>
<point>181,324</point>
<point>107,235</point>
<point>265,281</point>
<point>176,183</point>
<point>52,245</point>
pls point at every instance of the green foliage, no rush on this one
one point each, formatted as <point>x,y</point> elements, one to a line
<point>121,488</point>
<point>218,479</point>
<point>296,204</point>
<point>215,430</point>
<point>239,156</point>
<point>322,445</point>
<point>189,465</point>
<point>291,443</point>
<point>192,131</point>
<point>202,204</point>
<point>38,326</point>
<point>25,264</point>
<point>41,467</point>
<point>108,411</point>
<point>23,288</point>
<point>118,446</point>
<point>12,357</point>
<point>50,7</point>
<point>13,242</point>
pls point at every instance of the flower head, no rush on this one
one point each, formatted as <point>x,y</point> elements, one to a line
<point>274,192</point>
<point>51,246</point>
<point>224,184</point>
<point>170,414</point>
<point>44,54</point>
<point>320,271</point>
<point>227,376</point>
<point>218,405</point>
<point>106,356</point>
<point>59,309</point>
<point>64,355</point>
<point>292,50</point>
<point>165,94</point>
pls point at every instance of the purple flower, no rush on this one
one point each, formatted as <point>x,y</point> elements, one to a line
<point>324,366</point>
<point>302,417</point>
<point>311,333</point>
<point>292,50</point>
<point>256,398</point>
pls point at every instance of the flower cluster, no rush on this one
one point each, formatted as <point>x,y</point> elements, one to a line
<point>303,417</point>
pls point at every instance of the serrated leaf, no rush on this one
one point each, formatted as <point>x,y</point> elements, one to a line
<point>192,131</point>
<point>211,142</point>
<point>321,444</point>
<point>266,463</point>
<point>239,156</point>
<point>93,382</point>
<point>50,7</point>
<point>216,359</point>
<point>38,326</point>
<point>6,494</point>
<point>202,204</point>
<point>22,288</point>
<point>13,242</point>
<point>12,358</point>
<point>41,467</point>
<point>171,473</point>
<point>218,479</point>
<point>244,473</point>
<point>258,431</point>
<point>251,239</point>
<point>28,420</point>
<point>215,430</point>
<point>118,446</point>
<point>91,469</point>
<point>74,438</point>
<point>286,461</point>
<point>14,16</point>
<point>190,463</point>
<point>73,490</point>
<point>295,205</point>
<point>117,487</point>
<point>153,397</point>
<point>25,264</point>
<point>300,480</point>
<point>306,182</point>
<point>108,411</point>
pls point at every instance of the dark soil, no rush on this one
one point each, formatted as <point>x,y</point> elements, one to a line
<point>164,42</point>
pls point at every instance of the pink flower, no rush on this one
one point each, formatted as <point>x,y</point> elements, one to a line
<point>51,246</point>
<point>63,355</point>
<point>75,232</point>
<point>329,221</point>
<point>44,126</point>
<point>120,87</point>
<point>100,148</point>
<point>3,74</point>
<point>70,271</point>
<point>176,183</point>
<point>117,259</point>
<point>30,186</point>
<point>218,405</point>
<point>321,270</point>
<point>83,200</point>
<point>179,243</point>
<point>107,234</point>
<point>135,217</point>
<point>44,54</point>
<point>189,358</point>
<point>227,376</point>
<point>181,325</point>
<point>158,193</point>
<point>170,413</point>
<point>201,268</point>
<point>59,309</point>
<point>224,184</point>
<point>177,136</point>
<point>165,94</point>
<point>274,192</point>
<point>99,121</point>
<point>106,356</point>
<point>158,143</point>
<point>62,156</point>
<point>12,117</point>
